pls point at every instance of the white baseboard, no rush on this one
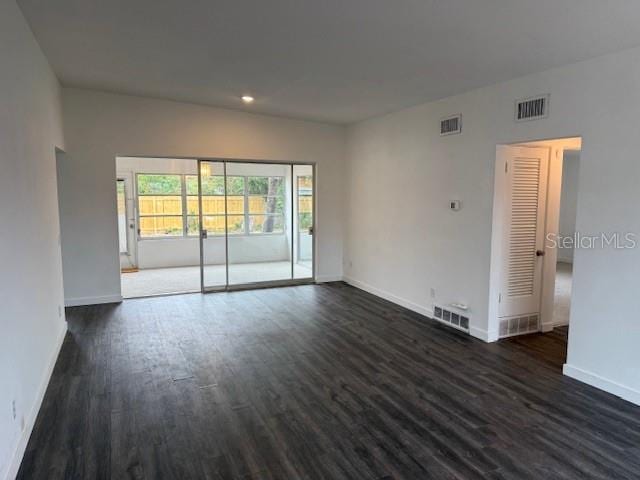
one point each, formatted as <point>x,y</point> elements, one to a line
<point>475,332</point>
<point>547,327</point>
<point>597,381</point>
<point>421,309</point>
<point>328,278</point>
<point>30,421</point>
<point>482,334</point>
<point>76,302</point>
<point>391,297</point>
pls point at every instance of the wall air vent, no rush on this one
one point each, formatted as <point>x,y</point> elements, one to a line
<point>451,125</point>
<point>532,108</point>
<point>520,325</point>
<point>451,318</point>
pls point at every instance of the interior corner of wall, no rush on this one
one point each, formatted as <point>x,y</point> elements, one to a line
<point>481,334</point>
<point>590,378</point>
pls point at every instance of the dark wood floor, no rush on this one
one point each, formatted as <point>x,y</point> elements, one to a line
<point>315,382</point>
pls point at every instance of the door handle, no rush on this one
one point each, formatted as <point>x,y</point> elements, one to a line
<point>539,253</point>
<point>310,230</point>
<point>203,233</point>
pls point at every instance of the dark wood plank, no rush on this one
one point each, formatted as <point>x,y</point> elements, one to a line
<point>325,382</point>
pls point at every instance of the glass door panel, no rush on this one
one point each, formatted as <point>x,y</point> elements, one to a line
<point>303,214</point>
<point>259,222</point>
<point>207,207</point>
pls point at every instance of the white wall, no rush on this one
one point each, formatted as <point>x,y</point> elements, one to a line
<point>181,252</point>
<point>569,202</point>
<point>101,126</point>
<point>402,240</point>
<point>31,274</point>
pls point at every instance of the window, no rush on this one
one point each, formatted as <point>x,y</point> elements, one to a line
<point>213,206</point>
<point>160,206</point>
<point>168,205</point>
<point>266,204</point>
<point>235,205</point>
<point>305,203</point>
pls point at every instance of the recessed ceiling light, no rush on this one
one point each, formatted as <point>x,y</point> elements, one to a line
<point>247,99</point>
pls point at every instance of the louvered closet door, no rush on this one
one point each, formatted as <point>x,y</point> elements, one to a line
<point>526,171</point>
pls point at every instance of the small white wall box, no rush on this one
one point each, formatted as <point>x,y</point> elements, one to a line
<point>454,205</point>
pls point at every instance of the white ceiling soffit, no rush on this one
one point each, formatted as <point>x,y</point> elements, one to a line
<point>329,60</point>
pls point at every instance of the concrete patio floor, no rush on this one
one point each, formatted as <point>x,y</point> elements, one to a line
<point>159,281</point>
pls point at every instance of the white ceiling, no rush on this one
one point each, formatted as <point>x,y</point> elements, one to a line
<point>328,60</point>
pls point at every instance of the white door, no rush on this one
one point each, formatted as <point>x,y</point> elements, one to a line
<point>526,172</point>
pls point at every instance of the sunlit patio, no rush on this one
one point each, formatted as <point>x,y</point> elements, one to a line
<point>161,281</point>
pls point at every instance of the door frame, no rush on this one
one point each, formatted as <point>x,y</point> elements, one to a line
<point>296,213</point>
<point>551,221</point>
<point>263,284</point>
<point>131,218</point>
<point>201,237</point>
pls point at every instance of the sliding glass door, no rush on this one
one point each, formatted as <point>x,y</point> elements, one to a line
<point>259,248</point>
<point>256,223</point>
<point>303,221</point>
<point>210,206</point>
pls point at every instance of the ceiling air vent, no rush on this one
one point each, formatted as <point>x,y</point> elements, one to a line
<point>532,108</point>
<point>451,125</point>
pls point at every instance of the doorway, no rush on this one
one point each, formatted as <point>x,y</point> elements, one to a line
<point>211,225</point>
<point>162,254</point>
<point>533,217</point>
<point>566,238</point>
<point>126,225</point>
